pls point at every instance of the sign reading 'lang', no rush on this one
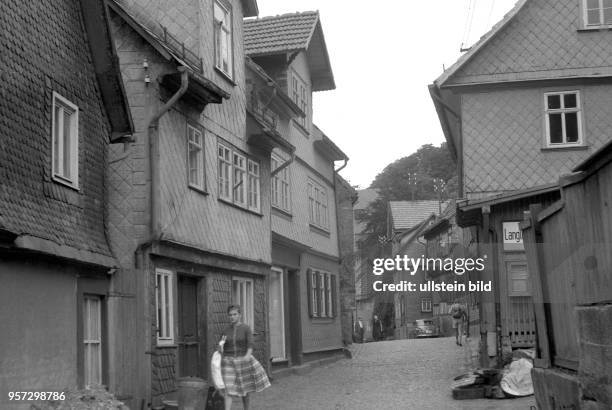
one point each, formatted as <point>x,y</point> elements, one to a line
<point>513,237</point>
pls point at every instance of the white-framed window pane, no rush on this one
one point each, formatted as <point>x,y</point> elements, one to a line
<point>224,172</point>
<point>239,169</point>
<point>223,37</point>
<point>556,128</point>
<point>164,307</point>
<point>195,157</point>
<point>253,186</point>
<point>314,294</point>
<point>328,289</point>
<point>242,295</point>
<point>563,113</point>
<point>64,141</point>
<point>322,294</point>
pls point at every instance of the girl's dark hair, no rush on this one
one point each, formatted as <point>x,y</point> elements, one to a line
<point>233,307</point>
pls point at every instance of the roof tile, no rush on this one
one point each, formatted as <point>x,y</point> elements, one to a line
<point>408,214</point>
<point>287,32</point>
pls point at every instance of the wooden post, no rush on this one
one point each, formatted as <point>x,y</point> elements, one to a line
<point>532,241</point>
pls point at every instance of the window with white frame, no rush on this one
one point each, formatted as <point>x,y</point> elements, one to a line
<point>280,185</point>
<point>253,185</point>
<point>239,178</point>
<point>242,295</point>
<point>164,307</point>
<point>426,305</point>
<point>317,205</point>
<point>223,37</point>
<point>239,167</point>
<point>65,141</point>
<point>224,172</point>
<point>195,158</point>
<point>299,95</point>
<point>92,340</point>
<point>563,119</point>
<point>321,293</point>
<point>597,12</point>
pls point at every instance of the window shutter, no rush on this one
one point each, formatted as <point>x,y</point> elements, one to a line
<point>334,300</point>
<point>310,290</point>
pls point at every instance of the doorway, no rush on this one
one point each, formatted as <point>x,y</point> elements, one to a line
<point>188,337</point>
<point>277,316</point>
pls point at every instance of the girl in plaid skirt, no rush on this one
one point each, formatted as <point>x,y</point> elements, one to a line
<point>242,373</point>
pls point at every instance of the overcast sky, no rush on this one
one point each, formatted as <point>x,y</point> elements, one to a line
<point>383,59</point>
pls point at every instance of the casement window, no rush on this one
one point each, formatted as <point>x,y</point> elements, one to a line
<point>321,294</point>
<point>239,183</point>
<point>92,340</point>
<point>195,158</point>
<point>224,172</point>
<point>597,13</point>
<point>317,205</point>
<point>65,141</point>
<point>299,95</point>
<point>426,305</point>
<point>223,37</point>
<point>563,119</point>
<point>242,295</point>
<point>164,307</point>
<point>239,178</point>
<point>253,185</point>
<point>280,186</point>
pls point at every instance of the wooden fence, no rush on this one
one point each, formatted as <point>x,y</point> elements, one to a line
<point>569,253</point>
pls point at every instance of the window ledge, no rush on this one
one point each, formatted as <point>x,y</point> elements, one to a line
<point>322,320</point>
<point>66,183</point>
<point>166,345</point>
<point>225,201</point>
<point>319,230</point>
<point>281,212</point>
<point>301,127</point>
<point>595,28</point>
<point>198,190</point>
<point>565,148</point>
<point>225,76</point>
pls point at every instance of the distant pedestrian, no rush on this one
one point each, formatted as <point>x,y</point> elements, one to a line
<point>377,329</point>
<point>359,330</point>
<point>459,315</point>
<point>242,373</point>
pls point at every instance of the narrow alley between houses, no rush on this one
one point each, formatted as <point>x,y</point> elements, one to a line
<point>399,374</point>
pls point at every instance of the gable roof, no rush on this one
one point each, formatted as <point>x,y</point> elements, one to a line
<point>288,34</point>
<point>485,39</point>
<point>405,215</point>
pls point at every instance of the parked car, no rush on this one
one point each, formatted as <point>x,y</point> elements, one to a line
<point>427,327</point>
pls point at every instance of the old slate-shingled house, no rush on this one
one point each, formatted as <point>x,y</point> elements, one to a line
<point>305,256</point>
<point>62,105</point>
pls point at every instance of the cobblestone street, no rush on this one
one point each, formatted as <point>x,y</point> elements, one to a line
<point>402,374</point>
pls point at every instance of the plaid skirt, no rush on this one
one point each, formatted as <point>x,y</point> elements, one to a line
<point>243,376</point>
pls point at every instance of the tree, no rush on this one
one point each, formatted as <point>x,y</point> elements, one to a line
<point>414,177</point>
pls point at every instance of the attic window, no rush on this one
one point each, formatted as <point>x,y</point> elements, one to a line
<point>597,13</point>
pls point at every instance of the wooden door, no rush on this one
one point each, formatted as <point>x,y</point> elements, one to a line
<point>188,338</point>
<point>277,315</point>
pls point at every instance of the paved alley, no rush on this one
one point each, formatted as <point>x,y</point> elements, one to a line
<point>402,374</point>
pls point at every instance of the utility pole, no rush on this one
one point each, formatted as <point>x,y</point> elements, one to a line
<point>412,182</point>
<point>439,186</point>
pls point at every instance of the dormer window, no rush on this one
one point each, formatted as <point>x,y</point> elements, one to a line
<point>597,13</point>
<point>223,38</point>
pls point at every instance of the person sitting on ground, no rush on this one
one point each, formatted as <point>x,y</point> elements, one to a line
<point>458,314</point>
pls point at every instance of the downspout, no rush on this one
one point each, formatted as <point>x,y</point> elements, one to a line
<point>154,155</point>
<point>342,167</point>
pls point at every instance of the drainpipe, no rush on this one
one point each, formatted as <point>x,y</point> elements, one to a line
<point>342,167</point>
<point>283,165</point>
<point>153,134</point>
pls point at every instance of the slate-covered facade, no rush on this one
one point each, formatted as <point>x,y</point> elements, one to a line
<point>528,101</point>
<point>188,205</point>
<point>63,105</point>
<point>305,255</point>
